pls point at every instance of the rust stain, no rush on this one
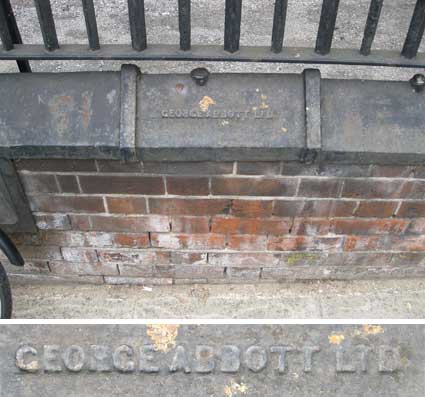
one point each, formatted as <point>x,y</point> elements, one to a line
<point>336,339</point>
<point>60,107</point>
<point>372,329</point>
<point>205,103</point>
<point>179,87</point>
<point>163,336</point>
<point>86,111</point>
<point>234,388</point>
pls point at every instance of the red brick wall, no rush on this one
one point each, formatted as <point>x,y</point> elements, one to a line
<point>164,223</point>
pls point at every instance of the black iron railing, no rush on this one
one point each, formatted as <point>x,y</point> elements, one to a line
<point>231,51</point>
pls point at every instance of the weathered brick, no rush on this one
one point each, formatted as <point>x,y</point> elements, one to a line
<point>411,209</point>
<point>49,279</point>
<point>405,243</point>
<point>302,243</point>
<point>314,208</point>
<point>68,183</point>
<point>295,168</point>
<point>190,224</point>
<point>190,186</point>
<point>252,208</point>
<point>188,168</point>
<point>137,240</point>
<point>193,207</point>
<point>242,242</point>
<point>243,274</point>
<point>417,190</point>
<point>139,224</point>
<point>392,171</point>
<point>79,255</point>
<point>92,268</point>
<point>54,221</point>
<point>188,258</point>
<point>118,184</point>
<point>126,205</point>
<point>136,270</point>
<point>66,204</point>
<point>243,259</point>
<point>417,226</point>
<point>139,257</point>
<point>187,241</point>
<point>118,166</point>
<point>43,253</point>
<point>302,258</point>
<point>80,222</point>
<point>369,226</point>
<point>31,267</point>
<point>76,239</point>
<point>199,271</point>
<point>376,209</point>
<point>39,183</point>
<point>311,226</point>
<point>361,243</point>
<point>232,225</point>
<point>319,187</point>
<point>375,188</point>
<point>353,259</point>
<point>137,281</point>
<point>344,170</point>
<point>254,186</point>
<point>258,167</point>
<point>58,165</point>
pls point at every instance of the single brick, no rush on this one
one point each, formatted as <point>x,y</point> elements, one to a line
<point>258,167</point>
<point>407,259</point>
<point>314,208</point>
<point>188,168</point>
<point>68,183</point>
<point>376,209</point>
<point>190,224</point>
<point>311,226</point>
<point>231,225</point>
<point>243,259</point>
<point>79,255</point>
<point>31,267</point>
<point>54,221</point>
<point>188,258</point>
<point>252,208</point>
<point>39,183</point>
<point>193,207</point>
<point>302,258</point>
<point>417,226</point>
<point>241,273</point>
<point>417,191</point>
<point>246,242</point>
<point>139,257</point>
<point>199,271</point>
<point>80,222</point>
<point>137,240</point>
<point>411,209</point>
<point>354,259</point>
<point>369,226</point>
<point>190,186</point>
<point>118,166</point>
<point>139,224</point>
<point>119,184</point>
<point>66,204</point>
<point>136,270</point>
<point>392,171</point>
<point>294,168</point>
<point>93,268</point>
<point>137,281</point>
<point>254,186</point>
<point>162,271</point>
<point>59,165</point>
<point>43,253</point>
<point>361,243</point>
<point>344,170</point>
<point>405,243</point>
<point>319,187</point>
<point>126,205</point>
<point>187,241</point>
<point>302,243</point>
<point>375,188</point>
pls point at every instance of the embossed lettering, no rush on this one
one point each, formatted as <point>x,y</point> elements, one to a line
<point>389,359</point>
<point>51,356</point>
<point>281,350</point>
<point>122,358</point>
<point>73,358</point>
<point>256,358</point>
<point>146,358</point>
<point>27,359</point>
<point>230,359</point>
<point>100,358</point>
<point>204,356</point>
<point>308,352</point>
<point>180,361</point>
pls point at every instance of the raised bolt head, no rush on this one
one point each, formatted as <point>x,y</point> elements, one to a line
<point>418,82</point>
<point>200,75</point>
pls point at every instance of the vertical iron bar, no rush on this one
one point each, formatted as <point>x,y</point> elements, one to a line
<point>371,25</point>
<point>184,24</point>
<point>326,26</point>
<point>416,31</point>
<point>279,20</point>
<point>91,25</point>
<point>5,35</point>
<point>23,65</point>
<point>136,13</point>
<point>47,24</point>
<point>232,25</point>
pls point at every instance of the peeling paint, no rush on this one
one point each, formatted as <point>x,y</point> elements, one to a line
<point>336,339</point>
<point>163,336</point>
<point>235,388</point>
<point>205,103</point>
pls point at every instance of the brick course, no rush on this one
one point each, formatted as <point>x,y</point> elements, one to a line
<point>185,222</point>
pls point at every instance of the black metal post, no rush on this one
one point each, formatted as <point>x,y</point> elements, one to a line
<point>47,24</point>
<point>279,20</point>
<point>416,31</point>
<point>184,24</point>
<point>232,25</point>
<point>136,13</point>
<point>326,26</point>
<point>91,25</point>
<point>371,26</point>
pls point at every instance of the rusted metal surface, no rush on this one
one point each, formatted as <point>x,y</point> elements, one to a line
<point>213,360</point>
